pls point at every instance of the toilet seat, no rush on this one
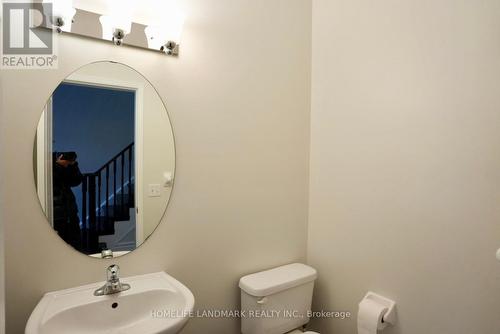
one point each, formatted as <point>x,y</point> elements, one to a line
<point>300,332</point>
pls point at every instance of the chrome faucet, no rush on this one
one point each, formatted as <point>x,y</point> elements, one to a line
<point>113,284</point>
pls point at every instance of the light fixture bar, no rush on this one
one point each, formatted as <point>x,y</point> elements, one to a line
<point>116,30</point>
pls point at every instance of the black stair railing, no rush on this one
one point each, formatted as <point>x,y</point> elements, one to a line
<point>113,182</point>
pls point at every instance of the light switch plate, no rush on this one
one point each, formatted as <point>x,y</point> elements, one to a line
<point>154,190</point>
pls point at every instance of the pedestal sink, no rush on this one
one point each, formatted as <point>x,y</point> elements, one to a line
<point>155,304</point>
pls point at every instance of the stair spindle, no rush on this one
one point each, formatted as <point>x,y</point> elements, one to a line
<point>107,193</point>
<point>130,199</point>
<point>84,213</point>
<point>92,214</point>
<point>122,208</point>
<point>114,183</point>
<point>99,191</point>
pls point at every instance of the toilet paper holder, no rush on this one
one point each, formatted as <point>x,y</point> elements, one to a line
<point>390,316</point>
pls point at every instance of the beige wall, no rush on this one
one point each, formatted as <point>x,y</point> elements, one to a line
<point>158,157</point>
<point>238,97</point>
<point>405,163</point>
<point>2,277</point>
<point>2,251</point>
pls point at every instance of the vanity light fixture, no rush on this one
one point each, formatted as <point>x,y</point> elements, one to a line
<point>161,22</point>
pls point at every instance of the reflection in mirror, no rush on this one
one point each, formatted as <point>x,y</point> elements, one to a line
<point>104,159</point>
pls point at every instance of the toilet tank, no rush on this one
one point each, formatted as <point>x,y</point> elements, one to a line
<point>278,300</point>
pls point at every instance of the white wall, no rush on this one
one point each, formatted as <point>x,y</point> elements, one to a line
<point>238,97</point>
<point>405,163</point>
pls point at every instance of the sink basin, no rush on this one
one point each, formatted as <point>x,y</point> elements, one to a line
<point>156,303</point>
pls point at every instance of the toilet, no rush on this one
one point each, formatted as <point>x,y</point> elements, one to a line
<point>277,301</point>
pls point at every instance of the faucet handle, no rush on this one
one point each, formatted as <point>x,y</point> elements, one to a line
<point>112,272</point>
<point>113,284</point>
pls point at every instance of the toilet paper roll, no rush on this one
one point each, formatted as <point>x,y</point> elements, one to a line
<point>370,315</point>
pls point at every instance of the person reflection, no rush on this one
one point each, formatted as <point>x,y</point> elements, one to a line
<point>66,175</point>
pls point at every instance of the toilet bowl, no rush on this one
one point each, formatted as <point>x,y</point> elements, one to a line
<point>299,332</point>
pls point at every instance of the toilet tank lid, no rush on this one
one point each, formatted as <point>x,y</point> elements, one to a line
<point>271,281</point>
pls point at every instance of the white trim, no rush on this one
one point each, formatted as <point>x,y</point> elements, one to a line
<point>138,87</point>
<point>44,161</point>
<point>40,161</point>
<point>49,160</point>
<point>139,167</point>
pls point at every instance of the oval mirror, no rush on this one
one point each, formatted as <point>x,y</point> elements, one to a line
<point>104,159</point>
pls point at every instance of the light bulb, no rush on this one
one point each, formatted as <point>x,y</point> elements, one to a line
<point>114,25</point>
<point>154,37</point>
<point>173,25</point>
<point>62,13</point>
<point>166,35</point>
